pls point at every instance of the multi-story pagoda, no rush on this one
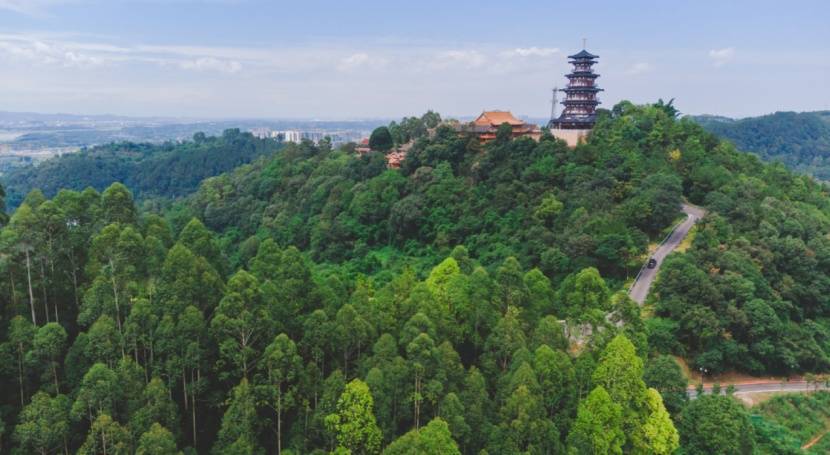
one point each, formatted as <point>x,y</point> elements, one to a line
<point>580,102</point>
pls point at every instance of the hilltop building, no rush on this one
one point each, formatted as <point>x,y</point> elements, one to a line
<point>579,115</point>
<point>394,157</point>
<point>488,123</point>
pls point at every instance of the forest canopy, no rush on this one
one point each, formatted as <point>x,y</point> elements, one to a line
<point>165,170</point>
<point>315,301</point>
<point>800,140</point>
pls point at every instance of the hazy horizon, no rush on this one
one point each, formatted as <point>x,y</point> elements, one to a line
<point>238,59</point>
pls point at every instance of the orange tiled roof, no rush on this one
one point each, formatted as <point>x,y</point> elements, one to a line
<point>496,118</point>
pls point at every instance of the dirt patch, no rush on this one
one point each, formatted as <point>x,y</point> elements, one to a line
<point>813,441</point>
<point>756,398</point>
<point>687,242</point>
<point>729,377</point>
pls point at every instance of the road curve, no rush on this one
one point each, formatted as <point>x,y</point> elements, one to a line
<point>639,290</point>
<point>764,387</point>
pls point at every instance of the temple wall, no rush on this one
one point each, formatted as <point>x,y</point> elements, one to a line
<point>572,137</point>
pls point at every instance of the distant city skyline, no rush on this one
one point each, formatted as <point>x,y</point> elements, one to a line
<point>219,59</point>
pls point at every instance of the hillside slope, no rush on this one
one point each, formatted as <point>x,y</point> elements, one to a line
<point>338,303</point>
<point>165,170</point>
<point>799,140</point>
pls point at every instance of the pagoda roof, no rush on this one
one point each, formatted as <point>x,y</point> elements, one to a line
<point>496,118</point>
<point>582,89</point>
<point>590,74</point>
<point>583,54</point>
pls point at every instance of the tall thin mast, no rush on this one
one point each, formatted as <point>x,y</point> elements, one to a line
<point>553,102</point>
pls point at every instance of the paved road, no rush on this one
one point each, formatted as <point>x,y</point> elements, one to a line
<point>639,291</point>
<point>765,387</point>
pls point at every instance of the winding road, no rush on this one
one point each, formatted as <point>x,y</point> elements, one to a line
<point>639,290</point>
<point>763,387</point>
<point>642,284</point>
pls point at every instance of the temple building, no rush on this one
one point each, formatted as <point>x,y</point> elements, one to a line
<point>488,123</point>
<point>579,115</point>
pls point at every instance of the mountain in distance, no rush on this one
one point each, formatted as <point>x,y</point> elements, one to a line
<point>800,140</point>
<point>150,170</point>
<point>24,131</point>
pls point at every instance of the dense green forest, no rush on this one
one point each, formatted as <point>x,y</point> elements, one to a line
<point>785,423</point>
<point>799,140</point>
<point>316,301</point>
<point>149,170</point>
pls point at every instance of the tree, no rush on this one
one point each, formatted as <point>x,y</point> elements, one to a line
<point>353,422</point>
<point>660,437</point>
<point>716,424</point>
<point>44,424</point>
<point>550,332</point>
<point>540,295</point>
<point>240,323</point>
<point>189,279</point>
<point>201,242</point>
<point>481,311</point>
<point>507,337</point>
<point>524,427</point>
<point>117,204</point>
<point>548,209</point>
<point>556,379</point>
<point>504,133</point>
<point>156,408</point>
<point>192,330</point>
<point>381,139</point>
<point>20,336</point>
<point>476,407</point>
<point>585,296</point>
<point>106,437</point>
<point>453,412</point>
<point>105,343</point>
<point>157,441</point>
<point>510,284</point>
<point>433,439</point>
<point>620,373</point>
<point>664,374</point>
<point>431,119</point>
<point>98,393</point>
<point>22,230</point>
<point>598,427</point>
<point>420,353</point>
<point>352,334</point>
<point>47,350</point>
<point>238,433</point>
<point>283,366</point>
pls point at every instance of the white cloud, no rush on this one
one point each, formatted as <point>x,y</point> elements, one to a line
<point>722,56</point>
<point>467,59</point>
<point>353,62</point>
<point>531,52</point>
<point>34,8</point>
<point>46,52</point>
<point>639,68</point>
<point>211,64</point>
<point>29,7</point>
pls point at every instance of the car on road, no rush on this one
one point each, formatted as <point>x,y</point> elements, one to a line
<point>652,263</point>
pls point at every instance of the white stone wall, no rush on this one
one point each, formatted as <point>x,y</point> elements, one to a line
<point>572,137</point>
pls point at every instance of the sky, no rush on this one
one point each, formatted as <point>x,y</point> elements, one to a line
<point>387,59</point>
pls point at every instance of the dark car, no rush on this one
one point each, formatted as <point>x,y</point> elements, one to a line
<point>652,263</point>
